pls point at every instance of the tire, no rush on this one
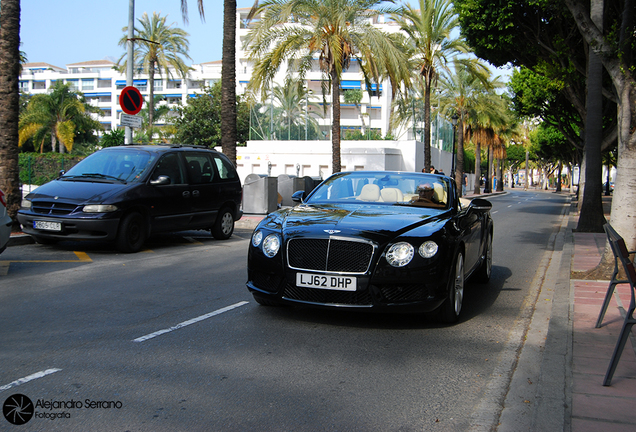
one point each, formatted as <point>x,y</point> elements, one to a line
<point>224,225</point>
<point>132,233</point>
<point>452,307</point>
<point>482,275</point>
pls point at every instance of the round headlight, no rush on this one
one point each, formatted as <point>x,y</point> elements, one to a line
<point>428,249</point>
<point>257,238</point>
<point>400,254</point>
<point>271,244</point>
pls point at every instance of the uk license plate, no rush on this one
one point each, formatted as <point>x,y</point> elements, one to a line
<point>47,226</point>
<point>331,282</point>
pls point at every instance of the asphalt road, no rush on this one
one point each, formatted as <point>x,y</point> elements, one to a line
<point>170,339</point>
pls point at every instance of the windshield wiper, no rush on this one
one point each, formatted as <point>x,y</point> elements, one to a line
<point>95,175</point>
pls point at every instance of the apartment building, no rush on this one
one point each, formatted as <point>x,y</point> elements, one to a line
<point>101,83</point>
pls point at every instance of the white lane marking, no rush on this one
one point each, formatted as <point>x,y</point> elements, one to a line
<point>192,321</point>
<point>495,211</point>
<point>26,379</point>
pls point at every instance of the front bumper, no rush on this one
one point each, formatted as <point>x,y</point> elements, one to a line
<point>98,227</point>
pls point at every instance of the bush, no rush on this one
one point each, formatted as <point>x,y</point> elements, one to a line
<point>39,168</point>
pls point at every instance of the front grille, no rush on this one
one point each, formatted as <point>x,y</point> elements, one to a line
<point>360,298</point>
<point>330,255</point>
<point>404,293</point>
<point>52,208</point>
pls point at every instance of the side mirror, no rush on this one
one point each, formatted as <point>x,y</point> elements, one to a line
<point>298,196</point>
<point>160,181</point>
<point>480,204</point>
<point>61,173</point>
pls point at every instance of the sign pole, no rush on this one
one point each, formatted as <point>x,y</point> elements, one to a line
<point>129,62</point>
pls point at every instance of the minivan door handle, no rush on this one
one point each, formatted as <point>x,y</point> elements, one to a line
<point>195,193</point>
<point>186,194</point>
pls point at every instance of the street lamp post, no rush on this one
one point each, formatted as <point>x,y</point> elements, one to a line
<point>454,119</point>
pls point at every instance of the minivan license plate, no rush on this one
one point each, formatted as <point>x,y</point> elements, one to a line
<point>47,226</point>
<point>340,283</point>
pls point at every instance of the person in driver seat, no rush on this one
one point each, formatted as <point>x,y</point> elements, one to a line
<point>425,197</point>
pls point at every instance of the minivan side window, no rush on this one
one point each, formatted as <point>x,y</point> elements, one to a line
<point>199,167</point>
<point>169,166</point>
<point>225,168</point>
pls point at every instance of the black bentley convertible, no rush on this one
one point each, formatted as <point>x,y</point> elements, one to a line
<point>373,240</point>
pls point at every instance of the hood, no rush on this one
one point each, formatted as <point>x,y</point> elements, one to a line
<point>372,222</point>
<point>77,192</point>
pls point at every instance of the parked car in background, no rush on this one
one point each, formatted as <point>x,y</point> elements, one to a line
<point>5,223</point>
<point>377,241</point>
<point>124,194</point>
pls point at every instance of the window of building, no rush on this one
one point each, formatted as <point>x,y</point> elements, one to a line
<point>74,84</point>
<point>104,83</point>
<point>88,84</point>
<point>158,85</point>
<point>24,86</point>
<point>174,84</point>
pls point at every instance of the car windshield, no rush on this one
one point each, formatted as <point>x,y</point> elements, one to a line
<point>122,165</point>
<point>409,189</point>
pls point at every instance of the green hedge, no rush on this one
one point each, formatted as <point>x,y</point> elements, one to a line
<point>39,168</point>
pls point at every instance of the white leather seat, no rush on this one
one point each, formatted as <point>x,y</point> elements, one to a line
<point>369,192</point>
<point>391,195</point>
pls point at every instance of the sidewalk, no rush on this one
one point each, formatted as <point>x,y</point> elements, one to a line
<point>595,407</point>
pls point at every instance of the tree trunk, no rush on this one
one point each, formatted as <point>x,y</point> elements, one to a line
<point>500,183</point>
<point>9,104</point>
<point>229,134</point>
<point>477,189</point>
<point>335,124</point>
<point>459,168</point>
<point>427,123</point>
<point>488,184</point>
<point>591,218</point>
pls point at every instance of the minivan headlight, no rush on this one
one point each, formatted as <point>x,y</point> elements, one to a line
<point>26,204</point>
<point>99,208</point>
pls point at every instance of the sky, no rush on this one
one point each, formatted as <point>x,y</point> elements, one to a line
<point>61,32</point>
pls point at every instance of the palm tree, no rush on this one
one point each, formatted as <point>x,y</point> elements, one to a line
<point>292,102</point>
<point>336,31</point>
<point>57,114</point>
<point>9,103</point>
<point>229,116</point>
<point>460,96</point>
<point>431,47</point>
<point>158,49</point>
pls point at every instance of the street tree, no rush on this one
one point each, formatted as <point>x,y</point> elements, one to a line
<point>614,45</point>
<point>459,95</point>
<point>58,116</point>
<point>541,35</point>
<point>159,48</point>
<point>9,104</point>
<point>431,49</point>
<point>334,31</point>
<point>199,121</point>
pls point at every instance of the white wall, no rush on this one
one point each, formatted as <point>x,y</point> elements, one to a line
<point>313,158</point>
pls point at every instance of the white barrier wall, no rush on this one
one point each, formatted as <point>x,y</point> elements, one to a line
<point>313,158</point>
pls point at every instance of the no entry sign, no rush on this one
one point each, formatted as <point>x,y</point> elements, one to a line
<point>130,100</point>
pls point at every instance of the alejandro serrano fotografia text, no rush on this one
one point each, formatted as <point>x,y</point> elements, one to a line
<point>77,404</point>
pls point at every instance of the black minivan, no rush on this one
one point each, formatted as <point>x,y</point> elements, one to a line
<point>124,194</point>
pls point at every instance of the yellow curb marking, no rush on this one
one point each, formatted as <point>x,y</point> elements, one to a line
<point>82,257</point>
